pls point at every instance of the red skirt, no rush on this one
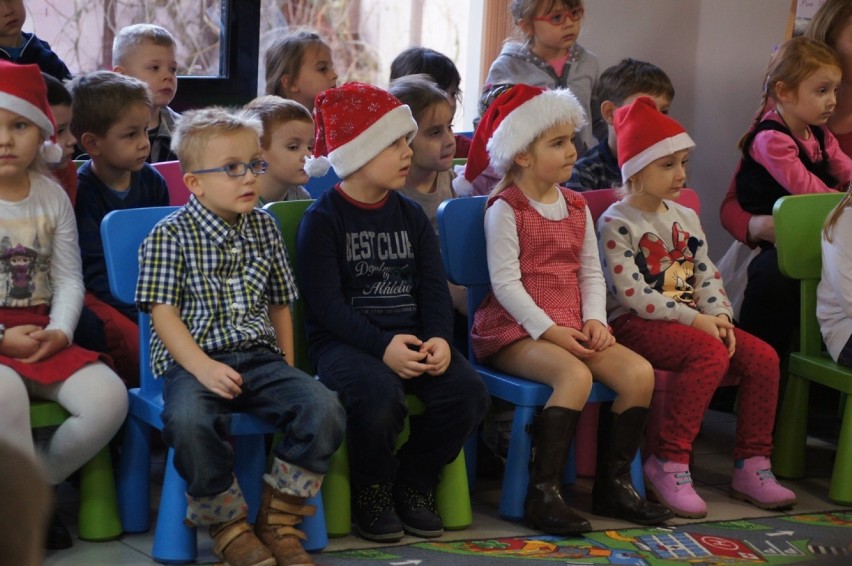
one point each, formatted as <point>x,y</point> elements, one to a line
<point>58,367</point>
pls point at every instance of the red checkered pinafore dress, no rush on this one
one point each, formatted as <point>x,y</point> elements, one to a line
<point>549,262</point>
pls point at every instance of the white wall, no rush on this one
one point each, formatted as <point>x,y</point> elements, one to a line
<point>715,52</point>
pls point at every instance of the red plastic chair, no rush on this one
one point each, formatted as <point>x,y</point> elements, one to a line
<point>173,174</point>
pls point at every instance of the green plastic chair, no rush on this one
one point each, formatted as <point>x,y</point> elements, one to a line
<point>798,231</point>
<point>98,518</point>
<point>452,496</point>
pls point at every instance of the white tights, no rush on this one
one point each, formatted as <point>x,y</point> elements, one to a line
<point>94,396</point>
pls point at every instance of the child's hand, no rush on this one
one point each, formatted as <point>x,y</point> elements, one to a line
<point>728,338</point>
<point>438,355</point>
<point>404,357</point>
<point>49,342</point>
<point>17,342</point>
<point>570,339</point>
<point>712,325</point>
<point>221,379</point>
<point>600,338</point>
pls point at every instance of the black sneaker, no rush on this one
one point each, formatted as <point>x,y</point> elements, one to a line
<point>416,510</point>
<point>375,518</point>
<point>57,537</point>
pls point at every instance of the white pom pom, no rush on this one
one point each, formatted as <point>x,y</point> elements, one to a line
<point>317,166</point>
<point>461,185</point>
<point>51,152</point>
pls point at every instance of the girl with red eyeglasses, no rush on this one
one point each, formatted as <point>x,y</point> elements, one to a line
<point>550,57</point>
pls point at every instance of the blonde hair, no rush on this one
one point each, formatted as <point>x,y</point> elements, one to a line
<point>836,212</point>
<point>526,10</point>
<point>794,61</point>
<point>135,35</point>
<point>829,21</point>
<point>195,128</point>
<point>273,110</point>
<point>284,56</point>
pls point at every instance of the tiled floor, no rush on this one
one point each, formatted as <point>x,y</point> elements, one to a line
<point>711,471</point>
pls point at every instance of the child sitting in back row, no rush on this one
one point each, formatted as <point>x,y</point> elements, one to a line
<point>147,52</point>
<point>216,279</point>
<point>288,138</point>
<point>109,117</point>
<point>379,315</point>
<point>618,85</point>
<point>667,303</point>
<point>299,66</point>
<point>24,48</point>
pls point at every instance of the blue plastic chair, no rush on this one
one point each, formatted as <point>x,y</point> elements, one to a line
<point>122,232</point>
<point>462,237</point>
<point>318,185</point>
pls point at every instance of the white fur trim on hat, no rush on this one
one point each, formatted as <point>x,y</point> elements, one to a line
<point>660,149</point>
<point>526,122</point>
<point>29,111</point>
<point>351,156</point>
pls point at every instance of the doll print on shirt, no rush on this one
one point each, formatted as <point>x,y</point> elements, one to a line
<point>23,268</point>
<point>670,272</point>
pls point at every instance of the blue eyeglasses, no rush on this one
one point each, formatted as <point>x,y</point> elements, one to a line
<point>238,168</point>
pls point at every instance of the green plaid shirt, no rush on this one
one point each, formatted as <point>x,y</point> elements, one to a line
<point>221,277</point>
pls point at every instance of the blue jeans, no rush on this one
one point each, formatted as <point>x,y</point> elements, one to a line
<point>197,421</point>
<point>374,397</point>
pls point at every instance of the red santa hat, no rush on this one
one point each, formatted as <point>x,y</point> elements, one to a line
<point>512,122</point>
<point>354,123</point>
<point>22,91</point>
<point>644,135</point>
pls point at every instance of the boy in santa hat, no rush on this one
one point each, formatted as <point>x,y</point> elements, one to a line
<point>667,302</point>
<point>379,314</point>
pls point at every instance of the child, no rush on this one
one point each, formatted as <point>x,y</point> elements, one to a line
<point>618,85</point>
<point>41,296</point>
<point>545,319</point>
<point>550,57</point>
<point>147,52</point>
<point>109,117</point>
<point>25,48</point>
<point>299,66</point>
<point>379,316</point>
<point>287,140</point>
<point>64,170</point>
<point>833,293</point>
<point>788,149</point>
<point>669,305</point>
<point>442,70</point>
<point>216,279</point>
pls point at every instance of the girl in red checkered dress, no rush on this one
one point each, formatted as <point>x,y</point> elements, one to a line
<point>545,319</point>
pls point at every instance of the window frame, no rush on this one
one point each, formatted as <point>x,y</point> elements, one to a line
<point>239,60</point>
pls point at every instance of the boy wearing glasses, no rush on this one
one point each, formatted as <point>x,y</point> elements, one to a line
<point>550,57</point>
<point>216,279</point>
<point>109,117</point>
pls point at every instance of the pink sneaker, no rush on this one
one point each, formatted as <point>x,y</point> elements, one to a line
<point>672,484</point>
<point>754,482</point>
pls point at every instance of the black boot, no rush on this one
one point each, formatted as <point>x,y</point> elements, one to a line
<point>544,508</point>
<point>613,494</point>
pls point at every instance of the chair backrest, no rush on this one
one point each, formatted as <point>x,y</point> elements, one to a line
<point>798,238</point>
<point>288,214</point>
<point>173,174</point>
<point>122,231</point>
<point>318,185</point>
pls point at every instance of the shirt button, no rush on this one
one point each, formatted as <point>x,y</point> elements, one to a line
<point>235,251</point>
<point>235,306</point>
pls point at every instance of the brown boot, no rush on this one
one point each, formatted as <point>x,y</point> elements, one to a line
<point>235,545</point>
<point>275,526</point>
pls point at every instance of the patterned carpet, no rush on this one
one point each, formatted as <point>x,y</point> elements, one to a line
<point>816,538</point>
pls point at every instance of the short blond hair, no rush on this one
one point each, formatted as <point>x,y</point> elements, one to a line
<point>195,128</point>
<point>130,37</point>
<point>273,110</point>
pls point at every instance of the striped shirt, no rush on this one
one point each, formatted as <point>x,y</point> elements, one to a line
<point>222,277</point>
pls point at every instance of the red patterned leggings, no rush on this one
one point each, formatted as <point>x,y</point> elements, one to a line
<point>702,362</point>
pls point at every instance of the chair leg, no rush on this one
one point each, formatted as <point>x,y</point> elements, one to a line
<point>249,467</point>
<point>314,526</point>
<point>517,473</point>
<point>470,454</point>
<point>174,541</point>
<point>98,518</point>
<point>452,497</point>
<point>133,482</point>
<point>840,490</point>
<point>788,458</point>
<point>336,494</point>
